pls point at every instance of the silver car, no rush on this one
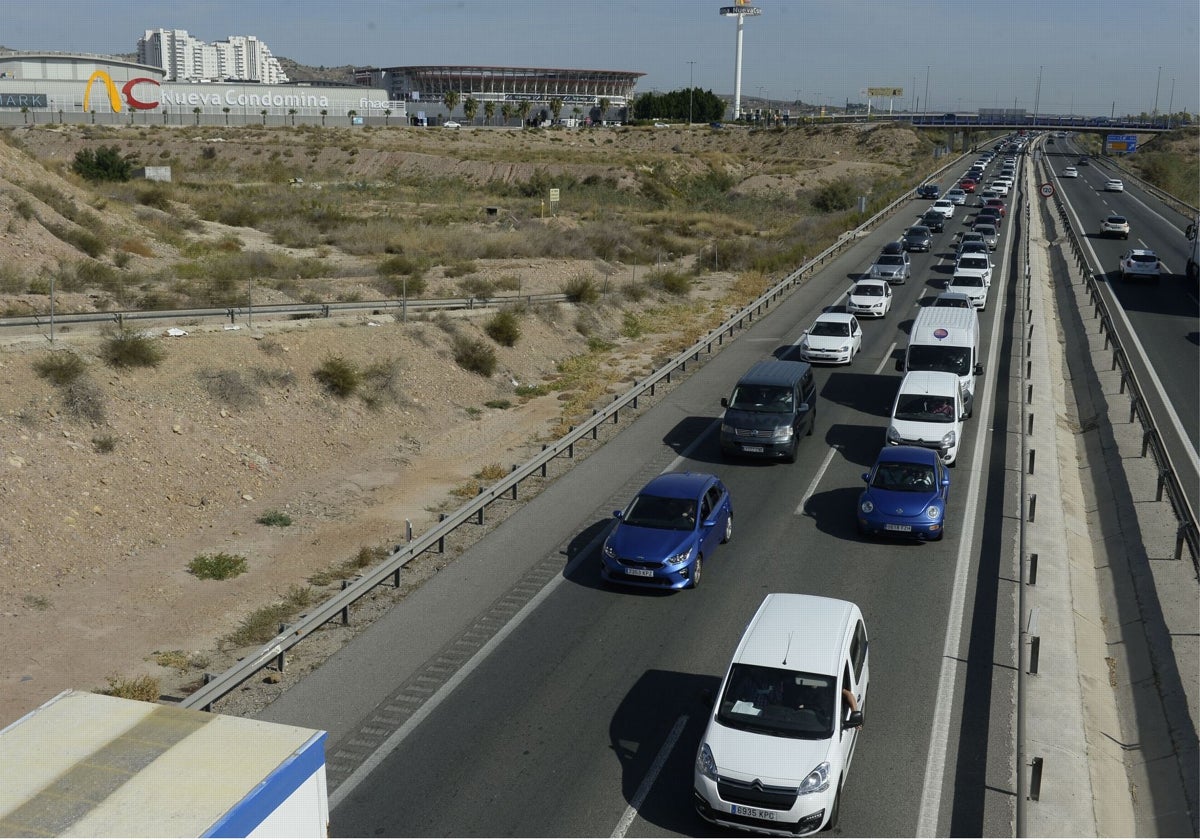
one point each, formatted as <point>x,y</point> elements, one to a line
<point>894,268</point>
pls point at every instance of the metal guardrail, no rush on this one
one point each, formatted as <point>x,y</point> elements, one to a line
<point>1178,205</point>
<point>294,310</point>
<point>1152,441</point>
<point>275,651</point>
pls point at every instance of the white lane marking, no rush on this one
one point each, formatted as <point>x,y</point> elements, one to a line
<point>644,788</point>
<point>812,488</point>
<point>939,738</point>
<point>886,356</point>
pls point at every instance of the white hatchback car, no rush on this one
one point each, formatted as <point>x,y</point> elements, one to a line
<point>1114,185</point>
<point>869,298</point>
<point>1070,172</point>
<point>834,337</point>
<point>782,732</point>
<point>944,206</point>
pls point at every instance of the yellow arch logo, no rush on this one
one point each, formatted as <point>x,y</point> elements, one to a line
<point>114,97</point>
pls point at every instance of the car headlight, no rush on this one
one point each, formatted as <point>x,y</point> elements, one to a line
<point>706,766</point>
<point>867,506</point>
<point>893,435</point>
<point>610,552</point>
<point>726,429</point>
<point>948,439</point>
<point>681,557</point>
<point>804,344</point>
<point>845,348</point>
<point>816,781</point>
<point>933,512</point>
<point>783,433</point>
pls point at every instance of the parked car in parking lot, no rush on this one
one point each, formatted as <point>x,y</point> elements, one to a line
<point>1114,226</point>
<point>917,238</point>
<point>906,494</point>
<point>671,527</point>
<point>1140,262</point>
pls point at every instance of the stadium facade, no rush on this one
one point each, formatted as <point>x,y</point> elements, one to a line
<point>579,91</point>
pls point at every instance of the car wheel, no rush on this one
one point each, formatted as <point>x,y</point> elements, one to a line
<point>835,812</point>
<point>728,535</point>
<point>697,568</point>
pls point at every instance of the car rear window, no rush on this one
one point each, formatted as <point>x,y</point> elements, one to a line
<point>1143,258</point>
<point>1116,220</point>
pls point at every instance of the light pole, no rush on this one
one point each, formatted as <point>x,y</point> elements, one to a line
<point>927,87</point>
<point>1171,104</point>
<point>1157,85</point>
<point>1037,94</point>
<point>691,89</point>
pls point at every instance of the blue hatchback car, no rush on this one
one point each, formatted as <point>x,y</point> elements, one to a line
<point>671,527</point>
<point>906,495</point>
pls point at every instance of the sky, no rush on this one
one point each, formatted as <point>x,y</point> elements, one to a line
<point>1089,57</point>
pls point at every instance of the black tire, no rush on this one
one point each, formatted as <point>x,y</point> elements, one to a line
<point>835,813</point>
<point>696,571</point>
<point>728,535</point>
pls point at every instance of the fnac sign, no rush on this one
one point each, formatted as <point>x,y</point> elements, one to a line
<point>114,97</point>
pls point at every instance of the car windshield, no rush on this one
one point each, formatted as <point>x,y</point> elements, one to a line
<point>957,302</point>
<point>956,360</point>
<point>925,408</point>
<point>920,233</point>
<point>662,512</point>
<point>904,478</point>
<point>778,702</point>
<point>868,290</point>
<point>773,398</point>
<point>985,230</point>
<point>889,260</point>
<point>840,329</point>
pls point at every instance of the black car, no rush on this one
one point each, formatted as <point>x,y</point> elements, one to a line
<point>893,248</point>
<point>936,222</point>
<point>929,191</point>
<point>917,238</point>
<point>1083,161</point>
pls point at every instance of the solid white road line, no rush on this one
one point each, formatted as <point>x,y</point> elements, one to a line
<point>812,487</point>
<point>651,777</point>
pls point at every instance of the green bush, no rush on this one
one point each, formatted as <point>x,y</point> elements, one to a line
<point>834,196</point>
<point>145,689</point>
<point>581,289</point>
<point>504,327</point>
<point>217,566</point>
<point>275,518</point>
<point>129,349</point>
<point>473,355</point>
<point>262,625</point>
<point>671,282</point>
<point>340,377</point>
<point>60,368</point>
<point>105,163</point>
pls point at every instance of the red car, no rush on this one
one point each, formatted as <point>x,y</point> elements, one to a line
<point>967,185</point>
<point>998,203</point>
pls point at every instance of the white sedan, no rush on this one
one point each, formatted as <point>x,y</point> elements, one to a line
<point>944,206</point>
<point>451,124</point>
<point>1114,185</point>
<point>834,337</point>
<point>869,298</point>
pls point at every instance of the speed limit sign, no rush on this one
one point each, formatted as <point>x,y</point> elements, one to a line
<point>1046,190</point>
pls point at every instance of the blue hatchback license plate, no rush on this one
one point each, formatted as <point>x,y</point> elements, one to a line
<point>639,572</point>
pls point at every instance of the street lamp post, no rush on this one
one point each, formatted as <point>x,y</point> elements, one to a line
<point>926,87</point>
<point>1157,85</point>
<point>691,89</point>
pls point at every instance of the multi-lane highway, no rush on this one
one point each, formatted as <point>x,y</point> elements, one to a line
<point>582,717</point>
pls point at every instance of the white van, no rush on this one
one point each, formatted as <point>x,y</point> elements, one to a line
<point>782,732</point>
<point>947,339</point>
<point>929,412</point>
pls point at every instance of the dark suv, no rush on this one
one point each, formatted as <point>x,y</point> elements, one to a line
<point>936,222</point>
<point>929,191</point>
<point>773,404</point>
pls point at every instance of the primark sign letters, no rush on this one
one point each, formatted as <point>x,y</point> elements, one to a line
<point>23,100</point>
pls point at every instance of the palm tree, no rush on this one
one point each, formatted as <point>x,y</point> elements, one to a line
<point>523,109</point>
<point>506,112</point>
<point>292,114</point>
<point>351,114</point>
<point>324,113</point>
<point>556,106</point>
<point>226,110</point>
<point>578,112</point>
<point>450,99</point>
<point>387,112</point>
<point>195,111</point>
<point>470,108</point>
<point>264,115</point>
<point>25,112</point>
<point>604,103</point>
<point>489,111</point>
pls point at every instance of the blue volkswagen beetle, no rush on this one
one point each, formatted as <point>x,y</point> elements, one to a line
<point>906,495</point>
<point>671,527</point>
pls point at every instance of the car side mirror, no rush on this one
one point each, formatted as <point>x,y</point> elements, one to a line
<point>866,476</point>
<point>803,408</point>
<point>946,481</point>
<point>618,514</point>
<point>900,364</point>
<point>724,402</point>
<point>709,523</point>
<point>964,416</point>
<point>853,720</point>
<point>979,368</point>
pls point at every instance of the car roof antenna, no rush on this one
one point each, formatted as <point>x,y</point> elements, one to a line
<point>787,649</point>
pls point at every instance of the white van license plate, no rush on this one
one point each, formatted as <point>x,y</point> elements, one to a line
<point>752,448</point>
<point>890,527</point>
<point>753,813</point>
<point>639,572</point>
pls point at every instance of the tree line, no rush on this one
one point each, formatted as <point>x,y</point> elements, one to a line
<point>694,104</point>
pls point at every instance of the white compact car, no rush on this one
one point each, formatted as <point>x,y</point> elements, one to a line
<point>869,299</point>
<point>1070,172</point>
<point>782,732</point>
<point>1114,185</point>
<point>929,411</point>
<point>834,337</point>
<point>944,206</point>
